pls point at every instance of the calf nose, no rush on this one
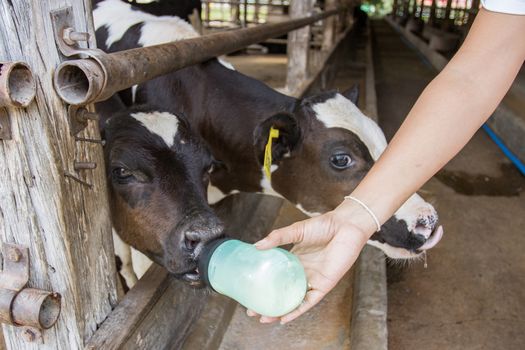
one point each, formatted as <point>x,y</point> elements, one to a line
<point>199,233</point>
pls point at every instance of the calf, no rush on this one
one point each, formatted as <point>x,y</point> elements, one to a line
<point>326,145</point>
<point>157,173</point>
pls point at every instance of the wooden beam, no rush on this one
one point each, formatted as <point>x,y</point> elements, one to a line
<point>62,215</point>
<point>329,26</point>
<point>395,6</point>
<point>414,8</point>
<point>448,9</point>
<point>298,46</point>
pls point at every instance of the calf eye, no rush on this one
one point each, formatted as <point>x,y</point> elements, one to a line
<point>122,175</point>
<point>340,161</point>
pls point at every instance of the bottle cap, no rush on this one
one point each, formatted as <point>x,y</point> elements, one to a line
<point>205,256</point>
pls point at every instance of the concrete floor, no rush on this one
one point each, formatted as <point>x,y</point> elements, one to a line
<point>472,295</point>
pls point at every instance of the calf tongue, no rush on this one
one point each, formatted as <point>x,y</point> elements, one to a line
<point>433,240</point>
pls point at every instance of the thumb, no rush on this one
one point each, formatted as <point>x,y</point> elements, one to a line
<point>290,234</point>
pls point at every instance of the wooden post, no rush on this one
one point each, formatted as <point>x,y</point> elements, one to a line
<point>245,15</point>
<point>235,11</point>
<point>414,8</point>
<point>256,9</point>
<point>406,7</point>
<point>421,7</point>
<point>447,10</point>
<point>62,215</point>
<point>432,17</point>
<point>329,26</point>
<point>298,46</point>
<point>472,12</point>
<point>207,13</point>
<point>395,6</point>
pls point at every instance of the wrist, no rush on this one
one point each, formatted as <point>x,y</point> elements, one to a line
<point>352,214</point>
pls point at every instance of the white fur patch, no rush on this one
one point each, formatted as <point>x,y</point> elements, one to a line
<point>340,112</point>
<point>215,195</point>
<point>141,263</point>
<point>416,208</point>
<point>165,29</point>
<point>123,251</point>
<point>225,63</point>
<point>393,252</point>
<point>164,124</point>
<point>118,17</point>
<point>266,186</point>
<point>310,214</point>
<point>134,93</point>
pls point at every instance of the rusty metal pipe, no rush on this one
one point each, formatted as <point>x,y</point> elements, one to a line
<point>36,308</point>
<point>17,84</point>
<point>97,78</point>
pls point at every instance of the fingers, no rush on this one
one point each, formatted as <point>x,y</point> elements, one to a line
<point>311,299</point>
<point>263,319</point>
<point>290,234</point>
<point>266,319</point>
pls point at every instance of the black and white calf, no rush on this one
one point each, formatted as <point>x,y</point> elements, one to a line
<point>157,173</point>
<point>326,145</point>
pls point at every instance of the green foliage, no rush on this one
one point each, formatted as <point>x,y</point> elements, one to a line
<point>377,8</point>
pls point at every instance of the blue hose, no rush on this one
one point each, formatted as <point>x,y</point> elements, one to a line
<point>499,142</point>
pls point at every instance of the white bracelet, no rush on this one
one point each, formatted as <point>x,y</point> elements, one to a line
<point>367,209</point>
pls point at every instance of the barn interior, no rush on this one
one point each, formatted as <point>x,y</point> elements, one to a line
<point>469,291</point>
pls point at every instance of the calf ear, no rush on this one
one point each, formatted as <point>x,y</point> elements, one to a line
<point>108,108</point>
<point>352,94</point>
<point>289,136</point>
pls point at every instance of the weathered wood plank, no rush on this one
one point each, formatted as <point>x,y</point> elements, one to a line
<point>132,310</point>
<point>161,312</point>
<point>65,224</point>
<point>329,26</point>
<point>298,47</point>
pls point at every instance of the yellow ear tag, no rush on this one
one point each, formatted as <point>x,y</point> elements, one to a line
<point>274,133</point>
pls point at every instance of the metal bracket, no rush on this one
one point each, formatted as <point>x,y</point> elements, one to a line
<point>79,117</point>
<point>19,305</point>
<point>63,24</point>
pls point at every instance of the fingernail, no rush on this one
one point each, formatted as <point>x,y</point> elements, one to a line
<point>259,244</point>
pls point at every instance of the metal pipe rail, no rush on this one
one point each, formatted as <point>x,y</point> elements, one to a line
<point>88,80</point>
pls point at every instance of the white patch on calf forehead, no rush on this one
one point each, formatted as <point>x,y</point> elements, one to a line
<point>118,17</point>
<point>164,124</point>
<point>339,112</point>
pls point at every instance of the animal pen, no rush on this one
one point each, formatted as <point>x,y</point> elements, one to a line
<point>58,285</point>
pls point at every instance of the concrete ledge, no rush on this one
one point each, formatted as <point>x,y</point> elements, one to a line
<point>508,121</point>
<point>369,328</point>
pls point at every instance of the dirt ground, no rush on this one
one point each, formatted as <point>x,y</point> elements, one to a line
<point>472,294</point>
<point>268,68</point>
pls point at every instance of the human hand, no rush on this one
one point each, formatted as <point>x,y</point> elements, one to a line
<point>326,245</point>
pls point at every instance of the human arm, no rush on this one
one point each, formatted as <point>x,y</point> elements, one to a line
<point>444,118</point>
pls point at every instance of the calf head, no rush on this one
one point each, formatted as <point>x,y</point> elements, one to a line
<point>324,149</point>
<point>157,172</point>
